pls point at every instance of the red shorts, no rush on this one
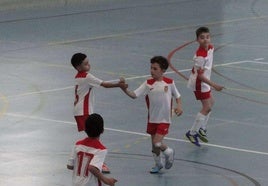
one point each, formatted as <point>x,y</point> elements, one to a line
<point>80,121</point>
<point>157,128</point>
<point>202,95</point>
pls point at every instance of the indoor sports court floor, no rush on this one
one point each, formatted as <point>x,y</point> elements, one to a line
<point>37,128</point>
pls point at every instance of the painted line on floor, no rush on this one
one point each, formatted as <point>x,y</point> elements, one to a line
<point>67,42</point>
<point>129,78</point>
<point>138,133</point>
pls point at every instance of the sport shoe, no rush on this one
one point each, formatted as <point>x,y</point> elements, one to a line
<point>156,169</point>
<point>193,138</point>
<point>202,134</point>
<point>105,169</point>
<point>169,159</point>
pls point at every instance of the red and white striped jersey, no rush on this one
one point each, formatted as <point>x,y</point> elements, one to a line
<point>159,96</point>
<point>202,59</point>
<point>84,93</point>
<point>87,152</point>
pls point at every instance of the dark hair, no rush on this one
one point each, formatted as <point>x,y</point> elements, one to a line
<point>201,30</point>
<point>94,125</point>
<point>77,59</point>
<point>162,61</point>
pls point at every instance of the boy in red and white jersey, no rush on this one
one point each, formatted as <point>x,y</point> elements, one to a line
<point>159,91</point>
<point>201,84</point>
<point>85,84</point>
<point>84,89</point>
<point>87,156</point>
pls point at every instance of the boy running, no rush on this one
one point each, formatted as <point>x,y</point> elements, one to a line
<point>201,84</point>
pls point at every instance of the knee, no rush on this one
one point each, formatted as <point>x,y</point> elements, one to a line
<point>208,108</point>
<point>157,148</point>
<point>157,144</point>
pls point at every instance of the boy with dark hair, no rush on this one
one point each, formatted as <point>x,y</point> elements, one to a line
<point>85,84</point>
<point>88,155</point>
<point>84,89</point>
<point>201,84</point>
<point>159,91</point>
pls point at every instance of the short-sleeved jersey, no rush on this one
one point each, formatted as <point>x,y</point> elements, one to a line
<point>84,93</point>
<point>158,95</point>
<point>86,152</point>
<point>202,59</point>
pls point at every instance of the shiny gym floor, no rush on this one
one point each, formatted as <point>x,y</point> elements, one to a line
<point>37,128</point>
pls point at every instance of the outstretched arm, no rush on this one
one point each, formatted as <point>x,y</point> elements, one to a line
<point>126,91</point>
<point>130,93</point>
<point>121,83</point>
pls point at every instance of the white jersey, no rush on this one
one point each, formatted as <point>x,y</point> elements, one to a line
<point>87,152</point>
<point>202,59</point>
<point>159,96</point>
<point>84,93</point>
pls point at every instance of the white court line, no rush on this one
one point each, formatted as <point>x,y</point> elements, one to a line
<point>259,59</point>
<point>130,78</point>
<point>40,92</point>
<point>240,62</point>
<point>137,133</point>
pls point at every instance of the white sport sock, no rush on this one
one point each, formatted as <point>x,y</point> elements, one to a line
<point>199,119</point>
<point>204,124</point>
<point>168,151</point>
<point>157,159</point>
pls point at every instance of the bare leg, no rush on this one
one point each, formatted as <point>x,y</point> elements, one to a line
<point>207,105</point>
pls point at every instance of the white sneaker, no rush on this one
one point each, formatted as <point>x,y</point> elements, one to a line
<point>169,157</point>
<point>156,169</point>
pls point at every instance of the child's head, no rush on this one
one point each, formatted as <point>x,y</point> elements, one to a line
<point>159,65</point>
<point>203,36</point>
<point>161,61</point>
<point>94,125</point>
<point>201,30</point>
<point>80,62</point>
